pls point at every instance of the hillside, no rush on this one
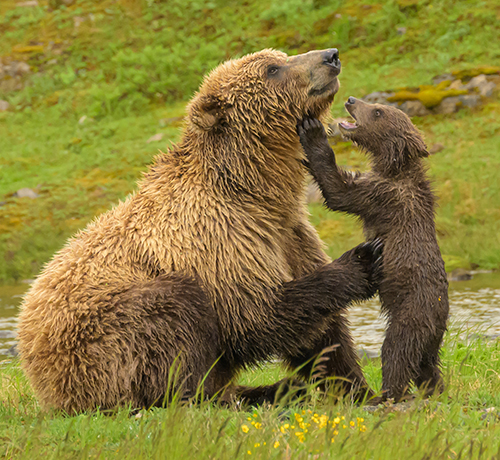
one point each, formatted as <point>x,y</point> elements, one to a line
<point>89,83</point>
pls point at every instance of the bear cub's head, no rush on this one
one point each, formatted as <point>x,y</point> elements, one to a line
<point>384,131</point>
<point>265,92</point>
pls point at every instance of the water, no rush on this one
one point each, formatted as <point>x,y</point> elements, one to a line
<point>472,303</point>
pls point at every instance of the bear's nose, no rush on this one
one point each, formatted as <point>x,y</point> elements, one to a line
<point>331,57</point>
<point>351,100</point>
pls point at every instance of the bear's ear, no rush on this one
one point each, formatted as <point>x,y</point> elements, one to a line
<point>416,146</point>
<point>205,112</point>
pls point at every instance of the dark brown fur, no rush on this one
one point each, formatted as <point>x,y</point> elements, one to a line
<point>210,266</point>
<point>395,203</point>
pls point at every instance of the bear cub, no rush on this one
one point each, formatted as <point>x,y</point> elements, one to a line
<point>396,204</point>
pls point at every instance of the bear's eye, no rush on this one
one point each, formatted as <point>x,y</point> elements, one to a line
<point>272,70</point>
<point>378,113</point>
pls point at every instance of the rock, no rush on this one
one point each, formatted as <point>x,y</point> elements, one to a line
<point>30,3</point>
<point>470,100</point>
<point>26,193</point>
<point>435,148</point>
<point>401,30</point>
<point>2,203</point>
<point>379,97</point>
<point>13,351</point>
<point>448,105</point>
<point>156,138</point>
<point>441,78</point>
<point>459,274</point>
<point>7,334</point>
<point>482,85</point>
<point>458,85</point>
<point>313,193</point>
<point>4,106</point>
<point>414,109</point>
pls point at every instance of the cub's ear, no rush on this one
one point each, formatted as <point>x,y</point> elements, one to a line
<point>206,112</point>
<point>416,146</point>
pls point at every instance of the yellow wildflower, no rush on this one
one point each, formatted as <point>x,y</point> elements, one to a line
<point>276,444</point>
<point>257,444</point>
<point>336,420</point>
<point>335,433</point>
<point>351,423</point>
<point>245,428</point>
<point>344,426</point>
<point>255,415</point>
<point>362,428</point>
<point>258,425</point>
<point>249,452</point>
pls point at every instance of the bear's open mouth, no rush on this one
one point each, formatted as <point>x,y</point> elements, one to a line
<point>348,125</point>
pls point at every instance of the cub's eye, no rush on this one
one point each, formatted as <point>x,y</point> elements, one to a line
<point>273,70</point>
<point>378,113</point>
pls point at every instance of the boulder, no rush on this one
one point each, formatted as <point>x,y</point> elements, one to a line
<point>414,109</point>
<point>448,105</point>
<point>4,106</point>
<point>26,193</point>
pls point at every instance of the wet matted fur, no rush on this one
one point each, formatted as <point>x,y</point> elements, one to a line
<point>396,204</point>
<point>211,265</point>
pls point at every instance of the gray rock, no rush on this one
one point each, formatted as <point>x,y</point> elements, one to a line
<point>7,334</point>
<point>459,274</point>
<point>414,109</point>
<point>401,30</point>
<point>482,85</point>
<point>4,106</point>
<point>30,3</point>
<point>457,84</point>
<point>26,193</point>
<point>441,78</point>
<point>13,351</point>
<point>435,148</point>
<point>470,100</point>
<point>379,97</point>
<point>448,105</point>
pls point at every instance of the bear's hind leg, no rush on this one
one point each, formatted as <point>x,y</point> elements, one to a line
<point>429,377</point>
<point>176,341</point>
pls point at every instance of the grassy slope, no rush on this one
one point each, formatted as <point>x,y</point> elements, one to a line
<point>128,61</point>
<point>451,427</point>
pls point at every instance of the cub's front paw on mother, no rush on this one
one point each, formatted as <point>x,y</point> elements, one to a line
<point>314,141</point>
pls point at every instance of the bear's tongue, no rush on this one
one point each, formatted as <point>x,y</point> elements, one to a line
<point>348,125</point>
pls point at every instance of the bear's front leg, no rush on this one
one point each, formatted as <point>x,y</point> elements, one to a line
<point>341,189</point>
<point>335,346</point>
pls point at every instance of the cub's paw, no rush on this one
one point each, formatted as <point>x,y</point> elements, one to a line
<point>314,140</point>
<point>369,258</point>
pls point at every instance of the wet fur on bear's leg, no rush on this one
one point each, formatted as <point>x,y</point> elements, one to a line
<point>340,359</point>
<point>396,203</point>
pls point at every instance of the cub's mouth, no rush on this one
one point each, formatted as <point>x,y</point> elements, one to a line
<point>347,126</point>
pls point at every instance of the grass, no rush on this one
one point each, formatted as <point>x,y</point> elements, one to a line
<point>129,66</point>
<point>458,424</point>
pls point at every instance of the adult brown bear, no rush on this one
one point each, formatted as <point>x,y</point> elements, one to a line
<point>396,204</point>
<point>211,264</point>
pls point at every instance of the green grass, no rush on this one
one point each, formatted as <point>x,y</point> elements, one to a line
<point>454,425</point>
<point>131,64</point>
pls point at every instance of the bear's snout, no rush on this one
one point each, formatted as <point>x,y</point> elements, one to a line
<point>331,58</point>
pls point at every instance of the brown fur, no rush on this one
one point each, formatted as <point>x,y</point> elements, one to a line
<point>396,204</point>
<point>211,263</point>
